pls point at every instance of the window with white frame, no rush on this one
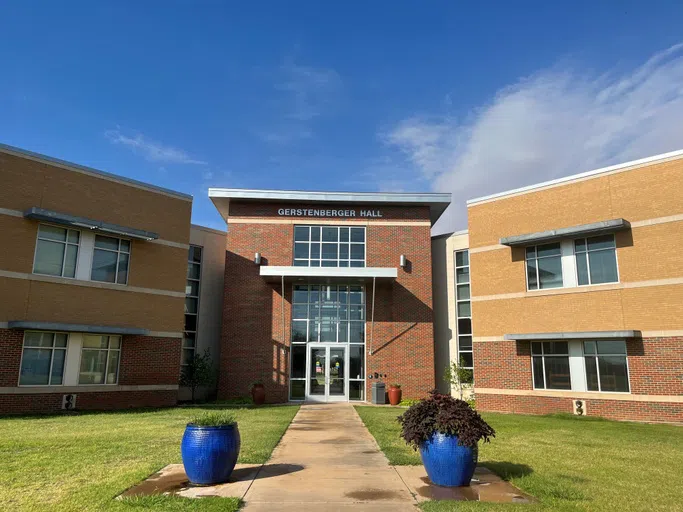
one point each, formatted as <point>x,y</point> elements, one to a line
<point>194,272</point>
<point>544,266</point>
<point>56,251</point>
<point>43,358</point>
<point>550,365</point>
<point>111,258</point>
<point>596,260</point>
<point>100,356</point>
<point>606,366</point>
<point>329,246</point>
<point>463,310</point>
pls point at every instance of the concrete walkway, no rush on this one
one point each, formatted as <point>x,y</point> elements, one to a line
<point>327,457</point>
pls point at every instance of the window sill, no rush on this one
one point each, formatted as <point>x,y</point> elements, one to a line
<point>84,388</point>
<point>573,289</point>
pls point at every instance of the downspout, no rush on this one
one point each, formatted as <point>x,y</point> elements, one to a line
<point>372,316</point>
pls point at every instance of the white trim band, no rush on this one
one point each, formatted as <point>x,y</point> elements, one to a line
<point>584,395</point>
<point>89,284</point>
<point>36,390</point>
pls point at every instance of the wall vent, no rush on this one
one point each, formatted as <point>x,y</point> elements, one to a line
<point>69,402</point>
<point>580,407</point>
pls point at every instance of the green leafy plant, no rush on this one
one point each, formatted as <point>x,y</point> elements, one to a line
<point>213,419</point>
<point>395,386</point>
<point>456,375</point>
<point>197,372</point>
<point>257,382</point>
<point>447,415</point>
<point>407,402</point>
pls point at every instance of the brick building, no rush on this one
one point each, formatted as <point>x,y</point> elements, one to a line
<point>93,285</point>
<point>567,296</point>
<point>326,291</point>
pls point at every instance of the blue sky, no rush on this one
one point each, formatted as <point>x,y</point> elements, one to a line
<point>411,96</point>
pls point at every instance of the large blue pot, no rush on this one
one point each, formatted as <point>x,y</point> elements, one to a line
<point>446,462</point>
<point>210,453</point>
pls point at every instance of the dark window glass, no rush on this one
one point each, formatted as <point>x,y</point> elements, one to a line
<point>301,233</point>
<point>555,347</point>
<point>299,331</point>
<point>466,359</point>
<point>300,294</point>
<point>356,390</point>
<point>298,389</point>
<point>357,234</point>
<point>591,374</point>
<point>531,274</point>
<point>330,235</point>
<point>343,234</point>
<point>538,372</point>
<point>582,268</point>
<point>550,272</point>
<point>299,361</point>
<point>196,254</point>
<point>463,292</point>
<point>603,267</point>
<point>465,342</point>
<point>601,242</point>
<point>464,326</point>
<point>547,250</point>
<point>104,266</point>
<point>462,259</point>
<point>315,233</point>
<point>557,372</point>
<point>356,362</point>
<point>301,250</point>
<point>190,322</point>
<point>613,373</point>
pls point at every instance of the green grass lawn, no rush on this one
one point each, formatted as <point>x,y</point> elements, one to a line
<point>567,462</point>
<point>81,462</point>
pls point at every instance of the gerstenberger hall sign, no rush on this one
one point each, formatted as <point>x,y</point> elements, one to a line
<point>316,212</point>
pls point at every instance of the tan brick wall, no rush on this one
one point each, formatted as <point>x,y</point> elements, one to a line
<point>28,183</point>
<point>644,193</point>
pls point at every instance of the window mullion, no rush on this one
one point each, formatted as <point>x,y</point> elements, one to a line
<point>597,367</point>
<point>52,360</point>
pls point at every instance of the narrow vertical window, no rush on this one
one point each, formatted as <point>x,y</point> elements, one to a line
<point>194,272</point>
<point>463,311</point>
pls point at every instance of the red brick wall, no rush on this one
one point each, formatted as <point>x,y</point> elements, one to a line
<point>253,345</point>
<point>108,400</point>
<point>145,360</point>
<point>655,368</point>
<point>11,343</point>
<point>149,360</point>
<point>502,364</point>
<point>669,412</point>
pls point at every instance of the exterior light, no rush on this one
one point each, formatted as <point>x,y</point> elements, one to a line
<point>403,261</point>
<point>257,258</point>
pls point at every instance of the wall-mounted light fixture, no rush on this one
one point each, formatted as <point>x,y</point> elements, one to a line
<point>403,261</point>
<point>257,258</point>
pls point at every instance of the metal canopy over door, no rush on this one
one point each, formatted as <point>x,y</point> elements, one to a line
<point>326,373</point>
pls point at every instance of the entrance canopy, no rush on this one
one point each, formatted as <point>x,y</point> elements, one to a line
<point>328,275</point>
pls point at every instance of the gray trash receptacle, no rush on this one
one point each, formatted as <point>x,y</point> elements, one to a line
<point>378,393</point>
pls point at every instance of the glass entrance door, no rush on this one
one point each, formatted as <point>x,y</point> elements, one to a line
<point>326,380</point>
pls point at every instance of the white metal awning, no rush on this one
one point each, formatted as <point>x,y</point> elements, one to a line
<point>327,274</point>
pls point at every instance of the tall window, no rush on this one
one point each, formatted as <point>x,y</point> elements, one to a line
<point>544,266</point>
<point>329,246</point>
<point>56,251</point>
<point>596,260</point>
<point>194,272</point>
<point>463,309</point>
<point>606,366</point>
<point>100,358</point>
<point>110,260</point>
<point>550,366</point>
<point>336,314</point>
<point>43,358</point>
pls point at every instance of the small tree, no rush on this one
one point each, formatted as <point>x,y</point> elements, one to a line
<point>457,375</point>
<point>197,372</point>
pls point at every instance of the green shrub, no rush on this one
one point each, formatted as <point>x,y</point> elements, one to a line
<point>213,419</point>
<point>407,402</point>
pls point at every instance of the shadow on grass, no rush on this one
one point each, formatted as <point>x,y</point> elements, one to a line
<point>508,470</point>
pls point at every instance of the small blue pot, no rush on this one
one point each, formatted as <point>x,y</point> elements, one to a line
<point>210,453</point>
<point>447,463</point>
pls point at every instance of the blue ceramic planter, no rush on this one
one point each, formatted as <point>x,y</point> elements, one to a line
<point>446,462</point>
<point>210,453</point>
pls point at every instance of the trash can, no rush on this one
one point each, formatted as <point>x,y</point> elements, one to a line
<point>378,393</point>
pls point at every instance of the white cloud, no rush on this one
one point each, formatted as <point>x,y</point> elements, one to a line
<point>557,122</point>
<point>303,94</point>
<point>151,150</point>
